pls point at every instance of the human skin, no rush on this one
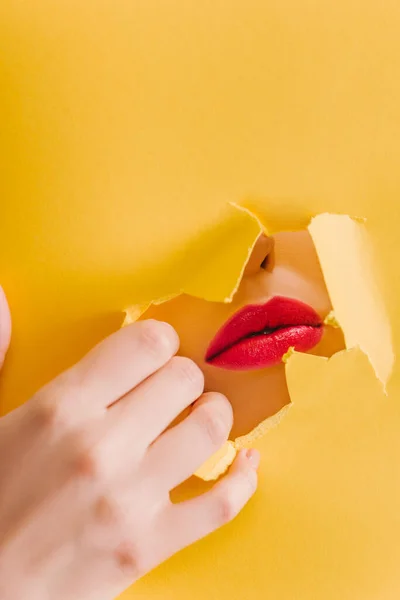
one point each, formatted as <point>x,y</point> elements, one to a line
<point>291,270</point>
<point>87,466</point>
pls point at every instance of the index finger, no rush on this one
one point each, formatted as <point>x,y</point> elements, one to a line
<point>117,365</point>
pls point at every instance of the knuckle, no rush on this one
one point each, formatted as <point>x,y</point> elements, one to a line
<point>45,413</point>
<point>226,509</point>
<point>50,406</point>
<point>214,423</point>
<point>230,500</point>
<point>131,560</point>
<point>157,338</point>
<point>87,463</point>
<point>250,482</point>
<point>106,511</point>
<point>188,372</point>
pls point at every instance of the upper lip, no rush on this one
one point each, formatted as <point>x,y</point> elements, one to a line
<point>257,319</point>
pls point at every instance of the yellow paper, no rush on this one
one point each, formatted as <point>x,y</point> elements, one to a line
<point>350,273</point>
<point>344,251</point>
<point>218,463</point>
<point>127,128</point>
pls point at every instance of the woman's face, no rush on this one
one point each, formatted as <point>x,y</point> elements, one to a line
<point>281,302</point>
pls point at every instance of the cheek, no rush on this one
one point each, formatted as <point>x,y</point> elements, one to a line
<point>297,267</point>
<point>306,286</point>
<point>254,395</point>
<point>195,335</point>
<point>196,322</point>
<point>332,342</point>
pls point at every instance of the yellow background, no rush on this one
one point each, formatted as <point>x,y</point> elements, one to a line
<point>126,126</point>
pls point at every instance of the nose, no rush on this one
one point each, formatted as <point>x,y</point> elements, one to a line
<point>261,255</point>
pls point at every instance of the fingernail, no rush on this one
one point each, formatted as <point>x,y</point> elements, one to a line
<point>253,456</point>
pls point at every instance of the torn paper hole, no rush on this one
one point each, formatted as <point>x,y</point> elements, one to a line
<point>307,291</point>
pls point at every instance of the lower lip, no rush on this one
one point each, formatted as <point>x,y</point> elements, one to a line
<point>264,351</point>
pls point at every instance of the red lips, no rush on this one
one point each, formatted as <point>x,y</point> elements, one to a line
<point>258,336</point>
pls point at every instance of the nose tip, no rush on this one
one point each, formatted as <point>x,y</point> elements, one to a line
<point>259,257</point>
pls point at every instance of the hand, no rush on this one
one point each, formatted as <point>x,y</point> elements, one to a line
<point>87,465</point>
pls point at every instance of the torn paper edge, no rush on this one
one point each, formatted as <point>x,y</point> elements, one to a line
<point>222,460</point>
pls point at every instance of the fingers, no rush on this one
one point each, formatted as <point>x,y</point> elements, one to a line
<point>144,413</point>
<point>190,521</point>
<point>5,326</point>
<point>180,451</point>
<point>116,365</point>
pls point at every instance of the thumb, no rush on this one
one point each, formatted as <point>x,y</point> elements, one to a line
<point>5,326</point>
